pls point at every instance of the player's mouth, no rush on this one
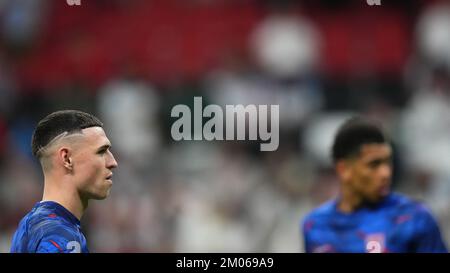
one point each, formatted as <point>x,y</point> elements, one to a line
<point>384,190</point>
<point>109,177</point>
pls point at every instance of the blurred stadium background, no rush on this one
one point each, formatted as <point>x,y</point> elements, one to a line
<point>131,61</point>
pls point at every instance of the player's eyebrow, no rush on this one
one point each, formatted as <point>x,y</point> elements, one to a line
<point>377,161</point>
<point>104,147</point>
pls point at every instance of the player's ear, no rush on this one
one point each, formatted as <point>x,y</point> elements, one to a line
<point>64,156</point>
<point>343,169</point>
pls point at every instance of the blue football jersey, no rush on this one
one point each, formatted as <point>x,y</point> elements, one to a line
<point>49,228</point>
<point>396,224</point>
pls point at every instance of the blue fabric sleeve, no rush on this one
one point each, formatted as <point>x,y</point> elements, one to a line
<point>59,239</point>
<point>428,237</point>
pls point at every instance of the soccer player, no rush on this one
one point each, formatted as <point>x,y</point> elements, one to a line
<point>75,156</point>
<point>366,216</point>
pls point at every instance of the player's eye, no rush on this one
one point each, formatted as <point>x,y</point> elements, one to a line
<point>374,164</point>
<point>102,151</point>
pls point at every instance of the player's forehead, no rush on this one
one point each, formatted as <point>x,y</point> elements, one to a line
<point>374,151</point>
<point>95,136</point>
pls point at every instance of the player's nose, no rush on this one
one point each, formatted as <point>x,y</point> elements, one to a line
<point>385,172</point>
<point>111,163</point>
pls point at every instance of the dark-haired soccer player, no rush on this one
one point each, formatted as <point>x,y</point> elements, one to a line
<point>77,164</point>
<point>366,216</point>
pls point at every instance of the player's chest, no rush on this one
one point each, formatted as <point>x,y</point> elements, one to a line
<point>369,234</point>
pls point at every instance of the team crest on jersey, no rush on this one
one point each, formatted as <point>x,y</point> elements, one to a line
<point>375,243</point>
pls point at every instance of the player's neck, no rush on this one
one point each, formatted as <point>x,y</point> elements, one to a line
<point>348,202</point>
<point>70,200</point>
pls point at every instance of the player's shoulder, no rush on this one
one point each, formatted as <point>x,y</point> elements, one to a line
<point>48,228</point>
<point>323,211</point>
<point>44,220</point>
<point>413,207</point>
<point>402,201</point>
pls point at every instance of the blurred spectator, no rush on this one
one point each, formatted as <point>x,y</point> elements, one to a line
<point>22,21</point>
<point>287,50</point>
<point>425,124</point>
<point>286,45</point>
<point>425,127</point>
<point>129,107</point>
<point>433,37</point>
